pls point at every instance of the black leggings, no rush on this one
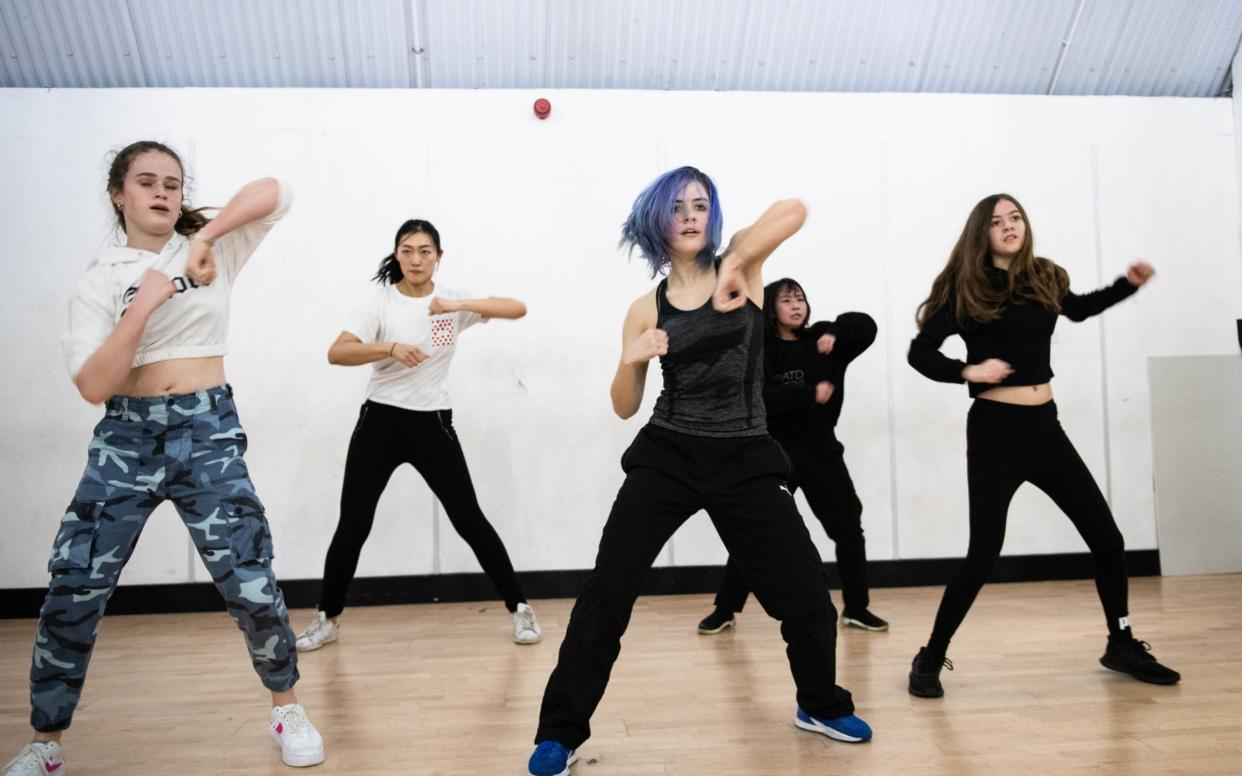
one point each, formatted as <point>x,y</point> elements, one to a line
<point>818,467</point>
<point>384,438</point>
<point>741,484</point>
<point>1007,445</point>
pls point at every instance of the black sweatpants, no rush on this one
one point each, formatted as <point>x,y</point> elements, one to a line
<point>740,482</point>
<point>818,467</point>
<point>384,438</point>
<point>1007,445</point>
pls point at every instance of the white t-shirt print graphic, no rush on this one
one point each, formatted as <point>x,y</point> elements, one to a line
<point>442,331</point>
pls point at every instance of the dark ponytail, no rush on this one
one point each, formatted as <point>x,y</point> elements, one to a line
<point>390,269</point>
<point>190,220</point>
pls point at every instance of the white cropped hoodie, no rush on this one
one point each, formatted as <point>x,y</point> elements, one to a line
<point>194,323</point>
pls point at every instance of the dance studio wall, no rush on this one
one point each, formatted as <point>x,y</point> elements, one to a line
<point>531,209</point>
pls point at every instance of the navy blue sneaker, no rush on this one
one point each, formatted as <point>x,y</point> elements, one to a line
<point>552,759</point>
<point>850,729</point>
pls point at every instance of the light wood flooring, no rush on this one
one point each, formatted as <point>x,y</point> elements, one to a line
<point>441,689</point>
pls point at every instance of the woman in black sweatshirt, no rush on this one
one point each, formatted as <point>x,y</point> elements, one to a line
<point>1003,300</point>
<point>804,386</point>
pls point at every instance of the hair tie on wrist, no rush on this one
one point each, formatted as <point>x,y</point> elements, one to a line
<point>198,237</point>
<point>390,350</point>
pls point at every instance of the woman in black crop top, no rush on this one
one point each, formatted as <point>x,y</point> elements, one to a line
<point>1003,300</point>
<point>804,388</point>
<point>706,447</point>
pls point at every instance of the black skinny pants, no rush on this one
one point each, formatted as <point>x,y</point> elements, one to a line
<point>740,482</point>
<point>818,467</point>
<point>1007,445</point>
<point>384,438</point>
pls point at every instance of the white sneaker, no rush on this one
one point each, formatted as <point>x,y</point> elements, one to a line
<point>38,758</point>
<point>526,629</point>
<point>320,631</point>
<point>300,743</point>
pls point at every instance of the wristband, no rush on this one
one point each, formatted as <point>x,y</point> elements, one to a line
<point>391,349</point>
<point>198,237</point>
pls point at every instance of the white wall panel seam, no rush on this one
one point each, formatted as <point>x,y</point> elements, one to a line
<point>1099,283</point>
<point>891,329</point>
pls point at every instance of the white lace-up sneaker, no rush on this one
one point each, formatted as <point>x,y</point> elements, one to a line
<point>300,743</point>
<point>526,628</point>
<point>38,758</point>
<point>320,631</point>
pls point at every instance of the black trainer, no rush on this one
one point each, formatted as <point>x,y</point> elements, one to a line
<point>925,674</point>
<point>1130,656</point>
<point>863,619</point>
<point>717,621</point>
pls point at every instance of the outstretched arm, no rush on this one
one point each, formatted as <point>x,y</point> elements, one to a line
<point>254,201</point>
<point>741,267</point>
<point>1080,308</point>
<point>491,307</point>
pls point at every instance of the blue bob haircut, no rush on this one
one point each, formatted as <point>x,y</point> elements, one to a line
<point>652,218</point>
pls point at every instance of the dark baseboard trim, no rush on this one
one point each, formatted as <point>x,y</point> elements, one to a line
<point>665,580</point>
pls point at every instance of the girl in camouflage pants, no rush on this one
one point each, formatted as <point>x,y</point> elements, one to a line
<point>147,329</point>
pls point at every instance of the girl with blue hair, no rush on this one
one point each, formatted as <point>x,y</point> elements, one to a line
<point>705,447</point>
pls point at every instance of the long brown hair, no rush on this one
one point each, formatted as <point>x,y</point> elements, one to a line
<point>964,282</point>
<point>188,222</point>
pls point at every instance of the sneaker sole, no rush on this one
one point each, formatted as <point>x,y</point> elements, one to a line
<point>1119,669</point>
<point>314,647</point>
<point>851,622</point>
<point>711,631</point>
<point>297,761</point>
<point>535,640</point>
<point>824,730</point>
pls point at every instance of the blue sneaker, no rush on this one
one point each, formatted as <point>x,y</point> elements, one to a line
<point>552,759</point>
<point>850,729</point>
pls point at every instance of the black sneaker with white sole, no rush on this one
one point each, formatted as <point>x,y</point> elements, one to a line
<point>863,619</point>
<point>717,621</point>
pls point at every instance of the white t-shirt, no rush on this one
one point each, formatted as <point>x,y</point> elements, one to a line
<point>194,323</point>
<point>387,315</point>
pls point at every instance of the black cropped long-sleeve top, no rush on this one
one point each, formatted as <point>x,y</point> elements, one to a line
<point>1021,336</point>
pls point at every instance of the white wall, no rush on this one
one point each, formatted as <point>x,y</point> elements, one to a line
<point>531,209</point>
<point>1197,457</point>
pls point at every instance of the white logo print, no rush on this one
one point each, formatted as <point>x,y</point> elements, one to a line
<point>785,489</point>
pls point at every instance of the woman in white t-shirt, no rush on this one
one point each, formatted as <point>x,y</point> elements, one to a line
<point>407,330</point>
<point>148,323</point>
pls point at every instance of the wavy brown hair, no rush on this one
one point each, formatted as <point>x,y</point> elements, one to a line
<point>964,281</point>
<point>189,221</point>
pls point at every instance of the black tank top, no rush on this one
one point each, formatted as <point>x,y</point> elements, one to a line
<point>713,371</point>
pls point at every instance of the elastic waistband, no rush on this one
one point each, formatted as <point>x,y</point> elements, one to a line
<point>206,400</point>
<point>986,409</point>
<point>371,404</point>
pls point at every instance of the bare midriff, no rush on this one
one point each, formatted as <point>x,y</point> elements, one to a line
<point>1019,394</point>
<point>178,375</point>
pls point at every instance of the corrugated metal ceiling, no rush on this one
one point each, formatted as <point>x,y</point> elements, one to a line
<point>1133,47</point>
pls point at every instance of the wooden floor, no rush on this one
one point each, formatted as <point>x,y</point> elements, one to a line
<point>440,689</point>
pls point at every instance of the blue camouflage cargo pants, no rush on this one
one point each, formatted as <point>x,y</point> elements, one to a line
<point>188,449</point>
